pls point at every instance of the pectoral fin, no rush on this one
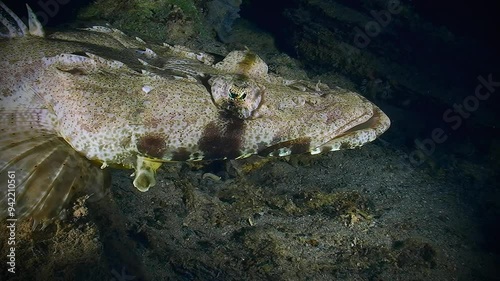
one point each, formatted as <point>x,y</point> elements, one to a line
<point>46,172</point>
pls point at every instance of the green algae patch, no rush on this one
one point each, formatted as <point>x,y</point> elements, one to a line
<point>168,20</point>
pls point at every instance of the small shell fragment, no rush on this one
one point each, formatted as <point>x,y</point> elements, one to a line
<point>146,89</point>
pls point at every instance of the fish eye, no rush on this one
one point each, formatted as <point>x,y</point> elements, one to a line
<point>237,93</point>
<point>239,97</point>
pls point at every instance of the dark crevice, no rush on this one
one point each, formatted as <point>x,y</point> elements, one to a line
<point>271,17</point>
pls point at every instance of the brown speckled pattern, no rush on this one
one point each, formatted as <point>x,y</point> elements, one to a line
<point>117,100</point>
<point>103,109</point>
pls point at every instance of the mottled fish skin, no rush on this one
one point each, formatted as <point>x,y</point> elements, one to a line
<point>96,96</point>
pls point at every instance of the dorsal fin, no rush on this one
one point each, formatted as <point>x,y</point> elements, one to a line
<point>16,27</point>
<point>36,28</point>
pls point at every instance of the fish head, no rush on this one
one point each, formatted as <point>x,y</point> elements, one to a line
<point>270,116</point>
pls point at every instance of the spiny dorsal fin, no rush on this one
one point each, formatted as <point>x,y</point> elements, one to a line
<point>36,28</point>
<point>16,27</point>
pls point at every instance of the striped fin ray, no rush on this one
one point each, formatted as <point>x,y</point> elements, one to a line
<point>48,171</point>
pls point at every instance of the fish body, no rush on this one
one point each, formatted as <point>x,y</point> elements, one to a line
<point>75,102</point>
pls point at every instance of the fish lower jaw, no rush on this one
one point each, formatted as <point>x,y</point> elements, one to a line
<point>145,173</point>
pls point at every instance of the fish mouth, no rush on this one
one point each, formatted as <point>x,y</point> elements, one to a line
<point>379,122</point>
<point>358,135</point>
